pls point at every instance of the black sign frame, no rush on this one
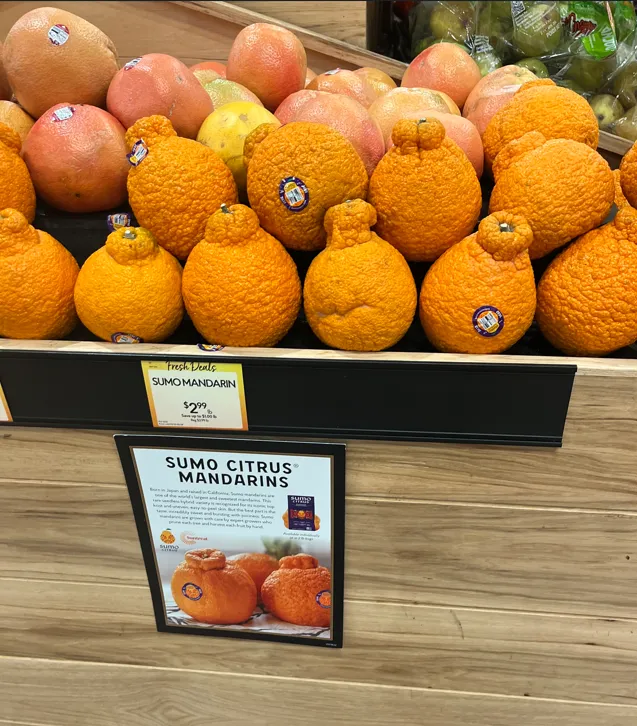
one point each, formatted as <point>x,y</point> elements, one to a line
<point>127,442</point>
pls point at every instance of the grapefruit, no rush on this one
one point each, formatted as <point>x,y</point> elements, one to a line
<point>158,84</point>
<point>464,133</point>
<point>206,76</point>
<point>76,155</point>
<point>222,91</point>
<point>212,66</point>
<point>377,83</point>
<point>408,103</point>
<point>16,118</point>
<point>341,113</point>
<point>52,56</point>
<point>5,90</point>
<point>225,131</point>
<point>493,92</point>
<point>444,67</point>
<point>268,60</point>
<point>341,81</point>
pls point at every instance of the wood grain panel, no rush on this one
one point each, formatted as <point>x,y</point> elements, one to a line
<point>342,20</point>
<point>516,654</point>
<point>410,552</point>
<point>76,694</point>
<point>595,469</point>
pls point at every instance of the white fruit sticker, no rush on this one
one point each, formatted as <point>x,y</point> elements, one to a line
<point>58,34</point>
<point>63,114</point>
<point>131,64</point>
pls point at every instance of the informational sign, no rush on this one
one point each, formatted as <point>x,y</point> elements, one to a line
<point>195,394</point>
<point>5,413</point>
<point>241,538</point>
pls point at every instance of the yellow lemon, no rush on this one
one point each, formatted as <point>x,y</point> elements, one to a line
<point>225,131</point>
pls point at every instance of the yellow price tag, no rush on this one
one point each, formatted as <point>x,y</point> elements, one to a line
<point>5,413</point>
<point>196,394</point>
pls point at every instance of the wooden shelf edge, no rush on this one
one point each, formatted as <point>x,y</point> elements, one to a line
<point>585,366</point>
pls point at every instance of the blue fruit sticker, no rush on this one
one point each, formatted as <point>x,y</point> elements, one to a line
<point>192,591</point>
<point>488,321</point>
<point>126,338</point>
<point>138,153</point>
<point>117,221</point>
<point>293,194</point>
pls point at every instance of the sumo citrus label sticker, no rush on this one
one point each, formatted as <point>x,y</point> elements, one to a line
<point>5,413</point>
<point>196,394</point>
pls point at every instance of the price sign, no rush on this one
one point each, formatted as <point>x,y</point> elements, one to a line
<point>195,394</point>
<point>5,414</point>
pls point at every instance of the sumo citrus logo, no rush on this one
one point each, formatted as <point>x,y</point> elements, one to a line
<point>167,537</point>
<point>189,538</point>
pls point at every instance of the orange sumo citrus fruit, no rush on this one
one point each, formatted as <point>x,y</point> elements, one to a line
<point>131,286</point>
<point>240,285</point>
<point>297,172</point>
<point>425,191</point>
<point>174,184</point>
<point>558,113</point>
<point>587,298</point>
<point>37,276</point>
<point>561,187</point>
<point>359,292</point>
<point>16,187</point>
<point>628,171</point>
<point>257,564</point>
<point>299,592</point>
<point>211,590</point>
<point>479,297</point>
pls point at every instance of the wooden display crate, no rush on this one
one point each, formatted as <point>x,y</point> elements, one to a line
<point>485,584</point>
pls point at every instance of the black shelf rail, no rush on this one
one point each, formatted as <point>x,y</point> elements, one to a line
<point>410,400</point>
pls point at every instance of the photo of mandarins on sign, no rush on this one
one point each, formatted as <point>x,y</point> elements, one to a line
<point>278,197</point>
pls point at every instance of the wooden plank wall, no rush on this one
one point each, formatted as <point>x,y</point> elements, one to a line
<point>487,586</point>
<point>484,585</point>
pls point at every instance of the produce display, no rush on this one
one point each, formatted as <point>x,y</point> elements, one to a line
<point>466,187</point>
<point>586,46</point>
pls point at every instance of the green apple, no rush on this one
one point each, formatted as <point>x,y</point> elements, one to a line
<point>625,85</point>
<point>487,61</point>
<point>607,109</point>
<point>589,73</point>
<point>446,24</point>
<point>499,9</point>
<point>538,30</point>
<point>626,126</point>
<point>534,65</point>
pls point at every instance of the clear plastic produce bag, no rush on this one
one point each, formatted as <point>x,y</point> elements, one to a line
<point>589,47</point>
